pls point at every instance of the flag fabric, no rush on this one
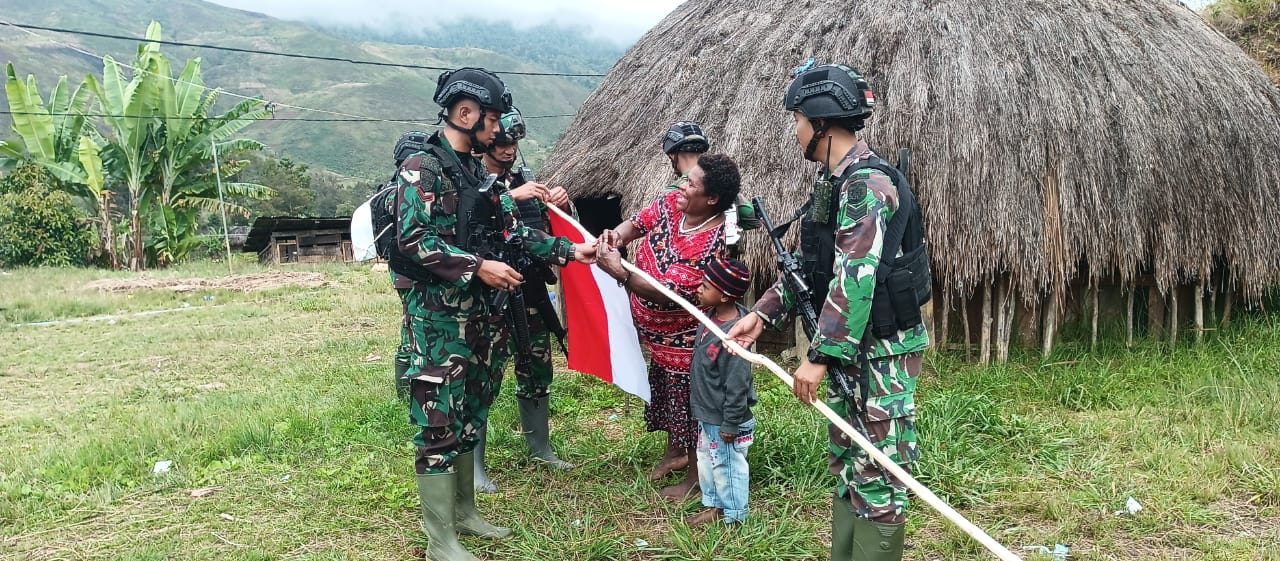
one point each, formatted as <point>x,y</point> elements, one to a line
<point>602,339</point>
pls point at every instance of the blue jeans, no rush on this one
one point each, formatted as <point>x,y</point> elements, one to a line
<point>723,473</point>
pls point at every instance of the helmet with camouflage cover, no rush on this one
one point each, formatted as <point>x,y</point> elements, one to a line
<point>685,136</point>
<point>410,143</point>
<point>830,91</point>
<point>511,128</point>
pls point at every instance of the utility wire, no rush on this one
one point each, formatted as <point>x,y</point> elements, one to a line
<point>272,118</point>
<point>279,53</point>
<point>204,87</point>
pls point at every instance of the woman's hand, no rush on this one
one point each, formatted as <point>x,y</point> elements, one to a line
<point>610,261</point>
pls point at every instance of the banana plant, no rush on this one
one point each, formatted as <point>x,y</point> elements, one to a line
<point>48,136</point>
<point>130,107</point>
<point>184,169</point>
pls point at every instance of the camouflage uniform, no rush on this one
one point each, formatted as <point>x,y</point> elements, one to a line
<point>868,201</point>
<point>453,334</point>
<point>533,382</point>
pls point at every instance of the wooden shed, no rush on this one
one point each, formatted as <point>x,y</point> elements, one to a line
<point>286,239</point>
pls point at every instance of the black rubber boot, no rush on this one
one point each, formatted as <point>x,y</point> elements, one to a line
<point>436,494</point>
<point>470,523</point>
<point>534,422</point>
<point>402,383</point>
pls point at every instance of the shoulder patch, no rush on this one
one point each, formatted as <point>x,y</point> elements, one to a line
<point>855,208</point>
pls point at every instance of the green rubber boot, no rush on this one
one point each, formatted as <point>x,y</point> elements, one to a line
<point>537,431</point>
<point>481,480</point>
<point>842,525</point>
<point>873,541</point>
<point>402,383</point>
<point>436,493</point>
<point>470,523</point>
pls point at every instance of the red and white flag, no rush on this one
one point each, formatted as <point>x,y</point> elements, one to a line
<point>602,334</point>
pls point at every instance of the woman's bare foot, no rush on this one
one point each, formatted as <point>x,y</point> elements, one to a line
<point>674,459</point>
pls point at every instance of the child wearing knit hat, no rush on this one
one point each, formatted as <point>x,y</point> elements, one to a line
<point>721,396</point>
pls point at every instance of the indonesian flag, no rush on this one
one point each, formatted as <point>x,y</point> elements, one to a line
<point>602,335</point>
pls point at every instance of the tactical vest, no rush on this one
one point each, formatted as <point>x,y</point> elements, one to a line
<point>903,283</point>
<point>479,215</point>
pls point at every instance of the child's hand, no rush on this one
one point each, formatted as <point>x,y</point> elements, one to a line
<point>728,437</point>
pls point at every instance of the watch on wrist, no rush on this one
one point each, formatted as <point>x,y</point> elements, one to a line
<point>819,358</point>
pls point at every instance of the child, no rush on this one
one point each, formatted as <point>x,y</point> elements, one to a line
<point>721,396</point>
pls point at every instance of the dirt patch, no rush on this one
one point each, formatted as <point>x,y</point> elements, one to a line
<point>240,283</point>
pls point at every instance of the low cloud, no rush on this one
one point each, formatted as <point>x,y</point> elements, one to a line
<point>616,20</point>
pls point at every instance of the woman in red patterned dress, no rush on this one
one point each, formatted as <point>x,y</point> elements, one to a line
<point>681,232</point>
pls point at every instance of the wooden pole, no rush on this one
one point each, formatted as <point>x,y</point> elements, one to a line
<point>984,352</point>
<point>944,323</point>
<point>1173,316</point>
<point>217,174</point>
<point>1050,322</point>
<point>1128,324</point>
<point>1009,305</point>
<point>1093,332</point>
<point>1000,304</point>
<point>1230,298</point>
<point>964,317</point>
<point>856,437</point>
<point>1199,311</point>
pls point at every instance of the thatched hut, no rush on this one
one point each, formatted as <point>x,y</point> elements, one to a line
<point>1055,145</point>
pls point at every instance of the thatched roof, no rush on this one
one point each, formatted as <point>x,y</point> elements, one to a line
<point>1045,135</point>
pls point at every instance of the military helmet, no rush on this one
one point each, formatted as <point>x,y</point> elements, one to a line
<point>475,83</point>
<point>511,128</point>
<point>829,91</point>
<point>685,136</point>
<point>410,143</point>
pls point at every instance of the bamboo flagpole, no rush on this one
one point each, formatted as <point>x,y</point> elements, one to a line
<point>884,461</point>
<point>217,174</point>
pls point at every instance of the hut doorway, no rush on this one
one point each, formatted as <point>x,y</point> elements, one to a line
<point>599,214</point>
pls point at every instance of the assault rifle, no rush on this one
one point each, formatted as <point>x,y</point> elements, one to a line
<point>793,277</point>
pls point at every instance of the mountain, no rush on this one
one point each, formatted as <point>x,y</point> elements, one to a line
<point>355,149</point>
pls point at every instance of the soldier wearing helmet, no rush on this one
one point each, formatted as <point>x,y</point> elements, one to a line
<point>533,377</point>
<point>447,219</point>
<point>842,238</point>
<point>683,143</point>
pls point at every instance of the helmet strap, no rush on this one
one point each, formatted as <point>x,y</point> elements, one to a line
<point>476,145</point>
<point>819,132</point>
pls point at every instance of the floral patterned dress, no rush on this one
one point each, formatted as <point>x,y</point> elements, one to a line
<point>675,260</point>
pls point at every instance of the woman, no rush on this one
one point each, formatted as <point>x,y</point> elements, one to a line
<point>682,231</point>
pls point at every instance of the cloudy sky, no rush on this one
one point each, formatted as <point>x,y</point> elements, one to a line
<point>621,20</point>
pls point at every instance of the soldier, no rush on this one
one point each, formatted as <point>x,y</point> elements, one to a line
<point>448,222</point>
<point>410,143</point>
<point>534,373</point>
<point>683,143</point>
<point>842,240</point>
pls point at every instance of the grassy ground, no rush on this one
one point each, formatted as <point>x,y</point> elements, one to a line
<point>281,403</point>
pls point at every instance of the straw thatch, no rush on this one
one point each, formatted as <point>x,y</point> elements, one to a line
<point>1049,137</point>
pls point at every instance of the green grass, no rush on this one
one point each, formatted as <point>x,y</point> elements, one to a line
<point>282,400</point>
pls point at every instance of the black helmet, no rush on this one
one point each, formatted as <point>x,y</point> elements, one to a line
<point>475,83</point>
<point>685,136</point>
<point>830,91</point>
<point>511,128</point>
<point>410,143</point>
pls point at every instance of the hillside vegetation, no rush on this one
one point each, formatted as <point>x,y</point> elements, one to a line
<point>1254,25</point>
<point>361,150</point>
